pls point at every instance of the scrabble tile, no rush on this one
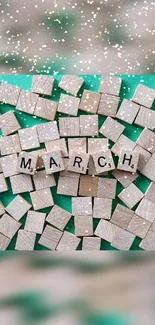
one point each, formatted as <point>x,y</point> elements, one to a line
<point>42,180</point>
<point>68,185</point>
<point>8,226</point>
<point>68,105</point>
<point>10,144</point>
<point>107,188</point>
<point>41,199</point>
<point>150,193</point>
<point>88,125</point>
<point>18,207</point>
<point>53,162</point>
<point>78,162</point>
<point>108,105</point>
<point>42,84</point>
<point>90,101</point>
<point>68,242</point>
<point>39,153</point>
<point>27,163</point>
<point>139,226</point>
<point>76,144</point>
<point>55,145</point>
<point>128,161</point>
<point>9,94</point>
<point>4,242</point>
<point>148,243</point>
<point>9,165</point>
<point>88,185</point>
<point>46,109</point>
<point>131,195</point>
<point>29,138</point>
<point>9,123</point>
<point>69,126</point>
<point>27,102</point>
<point>103,161</point>
<point>122,216</point>
<point>122,143</point>
<point>50,237</point>
<point>91,244</point>
<point>97,145</point>
<point>124,178</point>
<point>145,118</point>
<point>144,156</point>
<point>127,111</point>
<point>35,222</point>
<point>149,169</point>
<point>21,183</point>
<point>71,84</point>
<point>146,210</point>
<point>81,206</point>
<point>2,209</point>
<point>25,240</point>
<point>111,129</point>
<point>144,96</point>
<point>147,140</point>
<point>102,208</point>
<point>83,225</point>
<point>58,217</point>
<point>3,184</point>
<point>123,240</point>
<point>110,85</point>
<point>106,230</point>
<point>47,131</point>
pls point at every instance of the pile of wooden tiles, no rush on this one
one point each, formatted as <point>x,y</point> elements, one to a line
<point>87,168</point>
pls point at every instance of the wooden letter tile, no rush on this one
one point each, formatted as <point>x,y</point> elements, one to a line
<point>150,193</point>
<point>69,126</point>
<point>88,185</point>
<point>41,199</point>
<point>10,144</point>
<point>8,226</point>
<point>46,109</point>
<point>88,125</point>
<point>71,84</point>
<point>139,226</point>
<point>47,131</point>
<point>27,163</point>
<point>50,237</point>
<point>107,188</point>
<point>149,169</point>
<point>42,84</point>
<point>4,242</point>
<point>144,96</point>
<point>25,240</point>
<point>53,162</point>
<point>97,145</point>
<point>147,140</point>
<point>18,207</point>
<point>9,94</point>
<point>59,144</point>
<point>29,138</point>
<point>3,184</point>
<point>58,217</point>
<point>124,178</point>
<point>110,85</point>
<point>91,244</point>
<point>106,230</point>
<point>148,243</point>
<point>68,105</point>
<point>128,111</point>
<point>35,222</point>
<point>103,161</point>
<point>27,102</point>
<point>9,165</point>
<point>68,242</point>
<point>102,208</point>
<point>83,225</point>
<point>78,162</point>
<point>9,123</point>
<point>68,185</point>
<point>128,161</point>
<point>131,195</point>
<point>144,156</point>
<point>123,240</point>
<point>122,143</point>
<point>146,210</point>
<point>21,183</point>
<point>76,144</point>
<point>42,180</point>
<point>122,216</point>
<point>81,206</point>
<point>111,129</point>
<point>145,118</point>
<point>90,101</point>
<point>108,105</point>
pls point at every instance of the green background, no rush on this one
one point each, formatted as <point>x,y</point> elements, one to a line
<point>91,82</point>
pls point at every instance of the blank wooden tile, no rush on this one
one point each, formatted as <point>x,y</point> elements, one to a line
<point>124,178</point>
<point>68,185</point>
<point>18,207</point>
<point>111,129</point>
<point>68,242</point>
<point>149,169</point>
<point>122,216</point>
<point>144,96</point>
<point>97,145</point>
<point>103,161</point>
<point>110,85</point>
<point>9,165</point>
<point>147,140</point>
<point>27,163</point>
<point>127,111</point>
<point>4,242</point>
<point>53,162</point>
<point>58,217</point>
<point>78,162</point>
<point>108,105</point>
<point>102,208</point>
<point>47,131</point>
<point>83,225</point>
<point>42,180</point>
<point>88,125</point>
<point>144,156</point>
<point>55,145</point>
<point>8,226</point>
<point>42,84</point>
<point>10,144</point>
<point>146,210</point>
<point>106,230</point>
<point>21,183</point>
<point>2,209</point>
<point>90,101</point>
<point>91,244</point>
<point>122,143</point>
<point>3,184</point>
<point>35,222</point>
<point>68,105</point>
<point>25,240</point>
<point>107,188</point>
<point>88,185</point>
<point>81,206</point>
<point>71,84</point>
<point>50,237</point>
<point>139,226</point>
<point>145,118</point>
<point>27,102</point>
<point>39,153</point>
<point>76,144</point>
<point>46,109</point>
<point>41,199</point>
<point>148,243</point>
<point>123,240</point>
<point>9,94</point>
<point>128,161</point>
<point>150,193</point>
<point>69,126</point>
<point>131,195</point>
<point>29,138</point>
<point>9,123</point>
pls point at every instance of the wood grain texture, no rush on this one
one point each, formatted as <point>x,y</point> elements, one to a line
<point>81,206</point>
<point>91,244</point>
<point>103,161</point>
<point>58,217</point>
<point>68,105</point>
<point>88,185</point>
<point>9,165</point>
<point>128,161</point>
<point>90,101</point>
<point>111,129</point>
<point>110,85</point>
<point>42,180</point>
<point>78,162</point>
<point>27,102</point>
<point>42,84</point>
<point>148,243</point>
<point>68,242</point>
<point>47,131</point>
<point>149,169</point>
<point>9,94</point>
<point>21,183</point>
<point>69,126</point>
<point>122,216</point>
<point>122,143</point>
<point>8,226</point>
<point>97,145</point>
<point>29,138</point>
<point>10,144</point>
<point>68,185</point>
<point>102,208</point>
<point>3,184</point>
<point>53,162</point>
<point>106,230</point>
<point>50,237</point>
<point>88,125</point>
<point>41,199</point>
<point>145,118</point>
<point>123,240</point>
<point>108,105</point>
<point>55,145</point>
<point>147,140</point>
<point>83,225</point>
<point>76,144</point>
<point>131,195</point>
<point>124,178</point>
<point>4,242</point>
<point>2,209</point>
<point>25,240</point>
<point>71,84</point>
<point>46,109</point>
<point>107,188</point>
<point>144,96</point>
<point>27,163</point>
<point>144,156</point>
<point>139,226</point>
<point>18,207</point>
<point>35,222</point>
<point>127,111</point>
<point>150,193</point>
<point>146,210</point>
<point>9,123</point>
